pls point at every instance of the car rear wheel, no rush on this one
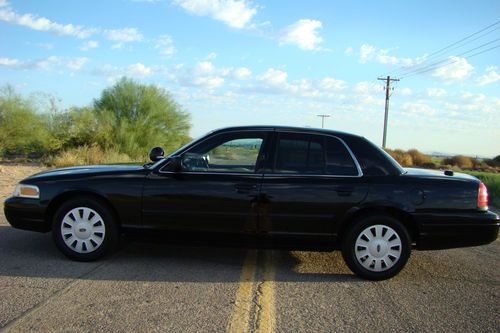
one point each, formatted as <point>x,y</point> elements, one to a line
<point>377,247</point>
<point>84,229</point>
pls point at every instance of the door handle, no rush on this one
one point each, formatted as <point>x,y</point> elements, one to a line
<point>344,191</point>
<point>245,188</point>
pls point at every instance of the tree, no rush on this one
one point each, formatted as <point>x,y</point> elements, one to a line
<point>133,118</point>
<point>23,131</point>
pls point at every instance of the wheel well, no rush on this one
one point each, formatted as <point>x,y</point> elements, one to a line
<point>398,214</point>
<point>63,197</point>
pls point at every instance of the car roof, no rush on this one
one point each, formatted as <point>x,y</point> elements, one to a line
<point>286,128</point>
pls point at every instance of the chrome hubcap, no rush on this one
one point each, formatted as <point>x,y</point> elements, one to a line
<point>378,248</point>
<point>83,230</point>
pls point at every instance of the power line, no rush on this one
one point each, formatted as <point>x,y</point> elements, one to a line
<point>403,70</point>
<point>450,61</point>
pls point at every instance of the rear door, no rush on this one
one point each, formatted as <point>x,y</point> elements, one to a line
<point>311,183</point>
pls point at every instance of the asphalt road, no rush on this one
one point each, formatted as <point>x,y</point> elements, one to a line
<point>160,288</point>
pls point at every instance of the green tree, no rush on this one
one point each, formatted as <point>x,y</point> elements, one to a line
<point>133,117</point>
<point>23,131</point>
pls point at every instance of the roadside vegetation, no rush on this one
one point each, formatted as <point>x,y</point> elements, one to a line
<point>129,118</point>
<point>119,126</point>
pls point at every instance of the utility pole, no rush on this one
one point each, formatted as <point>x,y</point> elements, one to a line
<point>386,116</point>
<point>323,116</point>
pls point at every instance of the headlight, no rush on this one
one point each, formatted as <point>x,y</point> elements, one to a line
<point>27,191</point>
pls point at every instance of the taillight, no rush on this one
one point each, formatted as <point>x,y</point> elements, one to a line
<point>482,197</point>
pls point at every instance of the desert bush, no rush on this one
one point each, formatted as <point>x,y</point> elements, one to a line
<point>418,158</point>
<point>463,162</point>
<point>401,157</point>
<point>87,155</point>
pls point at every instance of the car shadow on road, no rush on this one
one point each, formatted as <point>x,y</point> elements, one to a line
<point>28,254</point>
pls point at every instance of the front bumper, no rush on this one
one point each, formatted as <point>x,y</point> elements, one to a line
<point>451,230</point>
<point>27,214</point>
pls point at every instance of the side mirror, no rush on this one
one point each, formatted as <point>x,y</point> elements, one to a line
<point>156,154</point>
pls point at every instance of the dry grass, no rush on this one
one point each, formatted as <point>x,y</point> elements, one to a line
<point>87,155</point>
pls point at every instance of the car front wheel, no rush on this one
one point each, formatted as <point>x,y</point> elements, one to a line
<point>84,229</point>
<point>376,247</point>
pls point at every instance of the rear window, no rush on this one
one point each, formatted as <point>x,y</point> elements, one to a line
<point>299,153</point>
<point>372,159</point>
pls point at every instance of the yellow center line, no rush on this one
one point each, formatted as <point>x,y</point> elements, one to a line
<point>266,317</point>
<point>240,320</point>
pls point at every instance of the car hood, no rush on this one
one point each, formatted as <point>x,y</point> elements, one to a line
<point>436,174</point>
<point>87,169</point>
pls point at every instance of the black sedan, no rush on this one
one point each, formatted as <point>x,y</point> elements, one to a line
<point>267,186</point>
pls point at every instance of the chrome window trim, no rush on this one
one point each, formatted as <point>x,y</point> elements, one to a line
<point>356,163</point>
<point>355,160</point>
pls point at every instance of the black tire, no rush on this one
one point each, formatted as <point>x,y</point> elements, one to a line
<point>379,258</point>
<point>90,230</point>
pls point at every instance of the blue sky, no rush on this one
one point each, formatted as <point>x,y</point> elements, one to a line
<point>234,62</point>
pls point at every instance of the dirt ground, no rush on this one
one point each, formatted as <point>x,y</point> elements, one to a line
<point>10,174</point>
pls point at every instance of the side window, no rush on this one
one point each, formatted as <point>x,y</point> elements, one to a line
<point>313,154</point>
<point>300,154</point>
<point>338,160</point>
<point>226,154</point>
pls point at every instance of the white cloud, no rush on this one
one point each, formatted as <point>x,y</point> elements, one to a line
<point>91,44</point>
<point>242,73</point>
<point>165,44</point>
<point>123,35</point>
<point>203,68</point>
<point>329,83</point>
<point>365,88</point>
<point>3,3</point>
<point>235,13</point>
<point>366,52</point>
<point>138,70</point>
<point>491,76</point>
<point>47,64</point>
<point>419,109</point>
<point>211,56</point>
<point>112,73</point>
<point>273,76</point>
<point>349,50</point>
<point>77,63</point>
<point>8,62</point>
<point>43,24</point>
<point>436,92</point>
<point>372,53</point>
<point>210,82</point>
<point>457,70</point>
<point>404,91</point>
<point>303,33</point>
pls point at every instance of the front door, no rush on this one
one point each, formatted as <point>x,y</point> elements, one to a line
<point>216,190</point>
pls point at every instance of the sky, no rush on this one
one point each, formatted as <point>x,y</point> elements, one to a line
<point>281,62</point>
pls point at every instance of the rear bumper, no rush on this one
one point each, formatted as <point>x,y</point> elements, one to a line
<point>26,214</point>
<point>445,230</point>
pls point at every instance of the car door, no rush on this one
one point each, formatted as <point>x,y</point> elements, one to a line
<point>313,180</point>
<point>216,189</point>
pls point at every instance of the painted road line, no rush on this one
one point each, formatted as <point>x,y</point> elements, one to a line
<point>240,320</point>
<point>266,304</point>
